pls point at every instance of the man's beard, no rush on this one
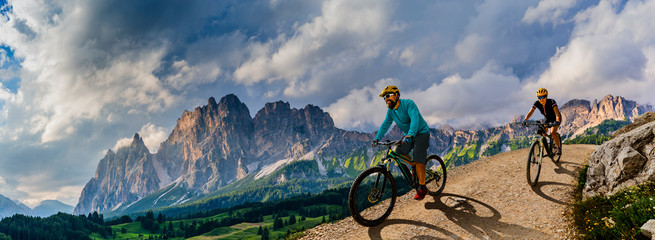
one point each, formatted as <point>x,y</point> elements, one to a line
<point>391,103</point>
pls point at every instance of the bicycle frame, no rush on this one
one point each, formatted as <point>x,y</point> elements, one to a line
<point>393,155</point>
<point>545,138</point>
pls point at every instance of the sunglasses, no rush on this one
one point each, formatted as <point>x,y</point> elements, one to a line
<point>388,95</point>
<point>542,97</point>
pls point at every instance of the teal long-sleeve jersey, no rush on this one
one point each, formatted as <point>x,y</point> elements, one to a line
<point>407,117</point>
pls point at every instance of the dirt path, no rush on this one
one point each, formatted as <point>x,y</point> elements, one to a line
<point>487,199</point>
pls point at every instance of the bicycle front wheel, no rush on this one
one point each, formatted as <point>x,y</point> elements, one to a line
<point>372,196</point>
<point>557,156</point>
<point>534,163</point>
<point>435,177</point>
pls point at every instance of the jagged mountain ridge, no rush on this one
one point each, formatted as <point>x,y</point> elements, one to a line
<point>214,145</point>
<point>578,115</point>
<point>220,143</point>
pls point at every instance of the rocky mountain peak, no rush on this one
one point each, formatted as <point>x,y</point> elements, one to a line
<point>211,102</point>
<point>579,115</point>
<point>137,141</point>
<point>230,102</point>
<point>274,108</point>
<point>316,117</point>
<point>578,103</point>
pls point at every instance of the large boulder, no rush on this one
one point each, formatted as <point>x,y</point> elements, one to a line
<point>648,229</point>
<point>626,160</point>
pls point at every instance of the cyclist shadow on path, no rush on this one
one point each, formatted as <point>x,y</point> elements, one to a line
<point>376,232</point>
<point>540,185</point>
<point>472,215</point>
<point>568,168</point>
<point>563,169</point>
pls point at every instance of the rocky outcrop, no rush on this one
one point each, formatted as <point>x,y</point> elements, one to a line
<point>626,160</point>
<point>648,229</point>
<point>209,146</point>
<point>124,176</point>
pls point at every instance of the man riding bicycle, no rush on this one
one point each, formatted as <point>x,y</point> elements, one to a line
<point>407,117</point>
<point>548,108</point>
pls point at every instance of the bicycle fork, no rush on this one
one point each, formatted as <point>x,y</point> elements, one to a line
<point>546,145</point>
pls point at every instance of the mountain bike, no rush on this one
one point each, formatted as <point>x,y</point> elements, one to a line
<point>373,193</point>
<point>543,145</point>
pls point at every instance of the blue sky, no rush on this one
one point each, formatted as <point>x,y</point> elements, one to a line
<point>80,77</point>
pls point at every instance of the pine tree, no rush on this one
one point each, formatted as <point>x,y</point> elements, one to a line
<point>292,219</point>
<point>265,233</point>
<point>160,218</point>
<point>277,223</point>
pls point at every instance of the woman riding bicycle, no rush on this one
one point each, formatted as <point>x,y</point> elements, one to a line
<point>548,108</point>
<point>417,133</point>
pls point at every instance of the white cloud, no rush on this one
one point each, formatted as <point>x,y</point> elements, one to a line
<point>121,143</point>
<point>407,57</point>
<point>492,93</point>
<point>610,52</point>
<point>69,77</point>
<point>65,194</point>
<point>186,74</point>
<point>3,57</point>
<point>548,11</point>
<point>470,49</point>
<point>361,109</point>
<point>152,136</point>
<point>344,29</point>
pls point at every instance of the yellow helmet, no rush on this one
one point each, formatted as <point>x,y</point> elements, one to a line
<point>542,92</point>
<point>390,89</point>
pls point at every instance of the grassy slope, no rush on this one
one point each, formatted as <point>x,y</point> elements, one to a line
<point>237,231</point>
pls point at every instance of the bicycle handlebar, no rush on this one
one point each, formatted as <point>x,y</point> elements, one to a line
<point>538,123</point>
<point>388,143</point>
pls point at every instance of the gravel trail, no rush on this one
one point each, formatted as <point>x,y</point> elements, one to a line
<point>486,199</point>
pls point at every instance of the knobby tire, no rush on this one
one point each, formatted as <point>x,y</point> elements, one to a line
<point>359,197</point>
<point>435,178</point>
<point>534,163</point>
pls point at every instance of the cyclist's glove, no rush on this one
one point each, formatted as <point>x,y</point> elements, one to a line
<point>556,123</point>
<point>525,122</point>
<point>374,143</point>
<point>408,139</point>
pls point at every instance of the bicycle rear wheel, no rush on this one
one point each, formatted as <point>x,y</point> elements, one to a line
<point>435,178</point>
<point>534,163</point>
<point>372,196</point>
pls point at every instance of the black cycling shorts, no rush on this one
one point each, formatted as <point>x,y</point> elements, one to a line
<point>420,147</point>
